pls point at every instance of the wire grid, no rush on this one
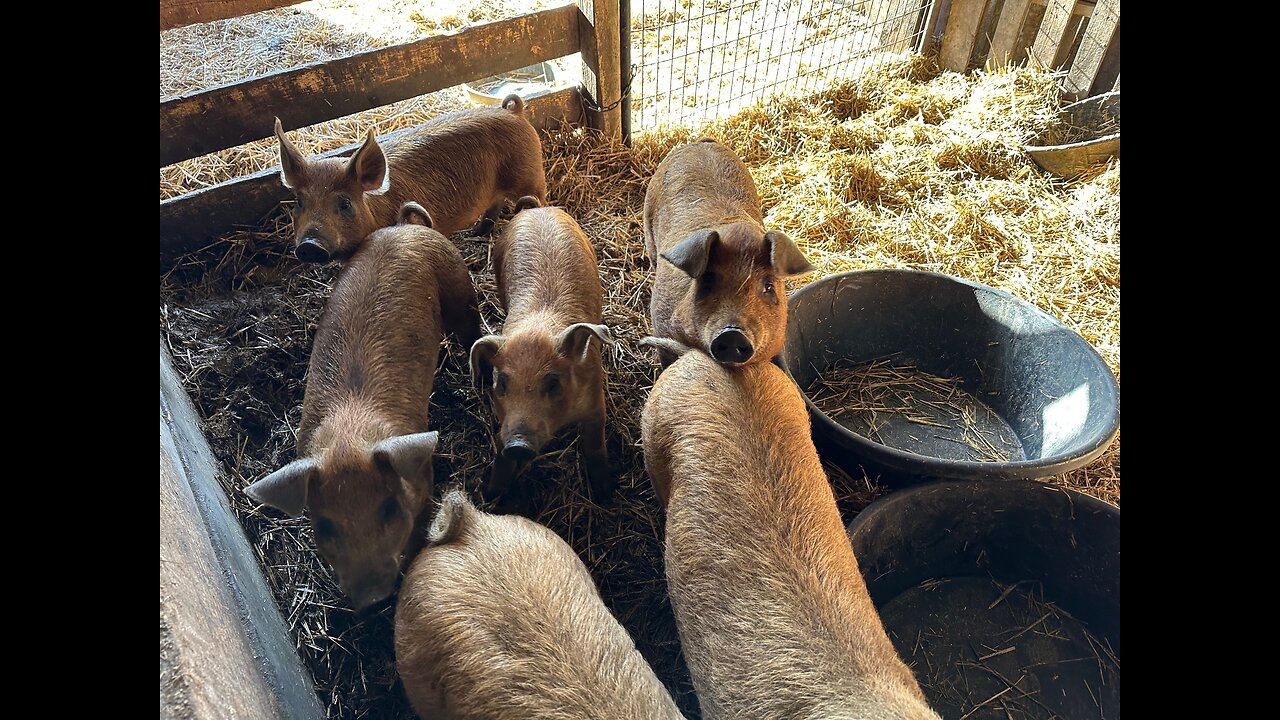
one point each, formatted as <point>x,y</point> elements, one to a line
<point>699,60</point>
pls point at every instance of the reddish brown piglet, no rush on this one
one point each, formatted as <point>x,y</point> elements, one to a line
<point>543,373</point>
<point>774,617</point>
<point>364,469</point>
<point>498,619</point>
<point>719,274</point>
<point>461,165</point>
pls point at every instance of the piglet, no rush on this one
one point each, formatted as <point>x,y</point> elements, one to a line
<point>364,468</point>
<point>461,165</point>
<point>773,614</point>
<point>498,619</point>
<point>719,281</point>
<point>543,373</point>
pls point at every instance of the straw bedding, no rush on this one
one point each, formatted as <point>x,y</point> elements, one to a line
<point>904,167</point>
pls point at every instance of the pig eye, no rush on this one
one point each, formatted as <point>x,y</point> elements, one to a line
<point>499,382</point>
<point>552,383</point>
<point>344,204</point>
<point>297,204</point>
<point>325,530</point>
<point>768,286</point>
<point>389,511</point>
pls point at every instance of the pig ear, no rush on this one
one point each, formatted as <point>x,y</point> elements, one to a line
<point>411,213</point>
<point>572,341</point>
<point>409,456</point>
<point>369,166</point>
<point>482,353</point>
<point>286,488</point>
<point>293,164</point>
<point>691,254</point>
<point>785,257</point>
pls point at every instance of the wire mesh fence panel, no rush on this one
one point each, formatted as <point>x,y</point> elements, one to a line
<point>697,60</point>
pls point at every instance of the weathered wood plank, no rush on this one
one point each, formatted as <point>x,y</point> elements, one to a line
<point>961,33</point>
<point>1098,36</point>
<point>930,24</point>
<point>1050,48</point>
<point>188,221</point>
<point>1083,8</point>
<point>1008,30</point>
<point>224,649</point>
<point>176,13</point>
<point>230,115</point>
<point>599,34</point>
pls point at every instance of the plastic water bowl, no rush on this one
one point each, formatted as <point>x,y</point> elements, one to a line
<point>1029,397</point>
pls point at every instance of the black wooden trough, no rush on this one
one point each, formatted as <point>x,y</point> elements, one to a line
<point>1003,597</point>
<point>1039,385</point>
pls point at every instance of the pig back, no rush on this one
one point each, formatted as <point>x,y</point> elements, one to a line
<point>456,163</point>
<point>379,336</point>
<point>504,621</point>
<point>544,263</point>
<point>699,185</point>
<point>774,616</point>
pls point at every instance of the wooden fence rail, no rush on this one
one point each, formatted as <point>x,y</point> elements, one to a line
<point>176,13</point>
<point>230,115</point>
<point>188,221</point>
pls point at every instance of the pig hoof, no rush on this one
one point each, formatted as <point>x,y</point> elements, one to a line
<point>482,228</point>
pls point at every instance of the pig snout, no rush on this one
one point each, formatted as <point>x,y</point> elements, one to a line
<point>519,449</point>
<point>311,251</point>
<point>732,345</point>
<point>367,590</point>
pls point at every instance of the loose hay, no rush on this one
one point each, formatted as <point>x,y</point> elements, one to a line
<point>904,167</point>
<point>875,398</point>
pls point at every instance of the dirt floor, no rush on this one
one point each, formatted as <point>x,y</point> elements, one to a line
<point>904,167</point>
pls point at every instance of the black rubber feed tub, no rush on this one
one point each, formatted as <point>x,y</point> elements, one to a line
<point>1034,387</point>
<point>1004,598</point>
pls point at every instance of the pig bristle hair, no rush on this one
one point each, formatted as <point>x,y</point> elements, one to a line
<point>450,519</point>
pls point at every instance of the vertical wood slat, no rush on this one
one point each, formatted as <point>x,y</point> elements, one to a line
<point>598,40</point>
<point>926,35</point>
<point>1098,37</point>
<point>1007,31</point>
<point>961,33</point>
<point>1050,50</point>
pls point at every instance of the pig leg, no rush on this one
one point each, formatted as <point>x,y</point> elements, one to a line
<point>595,457</point>
<point>485,226</point>
<point>459,308</point>
<point>501,474</point>
<point>500,488</point>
